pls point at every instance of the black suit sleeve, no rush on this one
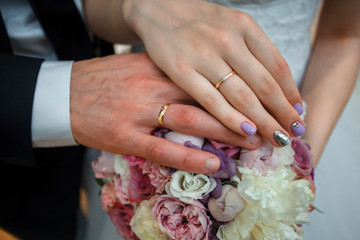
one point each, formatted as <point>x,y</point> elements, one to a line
<point>18,77</point>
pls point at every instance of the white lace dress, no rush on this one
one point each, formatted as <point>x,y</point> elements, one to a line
<point>288,25</point>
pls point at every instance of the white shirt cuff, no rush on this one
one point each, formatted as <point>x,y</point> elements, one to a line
<point>50,123</point>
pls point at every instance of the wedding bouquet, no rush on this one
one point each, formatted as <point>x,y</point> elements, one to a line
<point>264,193</point>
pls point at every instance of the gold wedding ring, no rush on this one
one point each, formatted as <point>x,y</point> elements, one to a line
<point>218,84</point>
<point>162,113</point>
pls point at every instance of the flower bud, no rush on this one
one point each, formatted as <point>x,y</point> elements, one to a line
<point>227,207</point>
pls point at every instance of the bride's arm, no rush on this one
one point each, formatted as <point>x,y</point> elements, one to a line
<point>332,70</point>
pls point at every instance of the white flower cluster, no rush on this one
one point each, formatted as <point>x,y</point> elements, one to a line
<point>275,204</point>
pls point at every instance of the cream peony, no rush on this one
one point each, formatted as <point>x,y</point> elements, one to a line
<point>143,224</point>
<point>185,184</point>
<point>275,203</point>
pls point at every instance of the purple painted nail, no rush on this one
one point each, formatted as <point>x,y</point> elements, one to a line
<point>299,108</point>
<point>248,128</point>
<point>297,128</point>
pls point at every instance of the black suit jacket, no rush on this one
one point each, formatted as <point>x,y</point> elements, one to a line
<point>39,187</point>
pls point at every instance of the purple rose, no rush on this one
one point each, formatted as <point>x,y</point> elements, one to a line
<point>303,163</point>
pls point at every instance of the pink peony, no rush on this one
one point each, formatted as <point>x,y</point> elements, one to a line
<point>159,175</point>
<point>259,158</point>
<point>303,163</point>
<point>120,216</point>
<point>104,166</point>
<point>184,219</point>
<point>139,187</point>
<point>108,196</point>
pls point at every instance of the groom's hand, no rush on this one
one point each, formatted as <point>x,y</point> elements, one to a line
<point>114,106</point>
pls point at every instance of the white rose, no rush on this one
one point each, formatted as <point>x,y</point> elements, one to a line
<point>185,184</point>
<point>182,138</point>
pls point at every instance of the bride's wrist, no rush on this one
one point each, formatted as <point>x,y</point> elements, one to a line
<point>134,14</point>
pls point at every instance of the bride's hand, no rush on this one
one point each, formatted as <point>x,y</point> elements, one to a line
<point>197,43</point>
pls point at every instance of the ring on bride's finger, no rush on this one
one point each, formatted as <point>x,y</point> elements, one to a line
<point>218,84</point>
<point>162,113</point>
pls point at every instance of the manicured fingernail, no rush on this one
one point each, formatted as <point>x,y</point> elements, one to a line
<point>254,139</point>
<point>248,128</point>
<point>212,164</point>
<point>281,138</point>
<point>299,108</point>
<point>297,128</point>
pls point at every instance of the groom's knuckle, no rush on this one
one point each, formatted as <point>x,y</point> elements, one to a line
<point>156,151</point>
<point>187,160</point>
<point>120,135</point>
<point>187,117</point>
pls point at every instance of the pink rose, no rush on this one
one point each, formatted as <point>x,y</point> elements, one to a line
<point>139,187</point>
<point>120,216</point>
<point>259,158</point>
<point>184,219</point>
<point>104,166</point>
<point>303,163</point>
<point>108,196</point>
<point>159,175</point>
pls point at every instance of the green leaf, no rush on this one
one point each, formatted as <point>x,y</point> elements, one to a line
<point>100,182</point>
